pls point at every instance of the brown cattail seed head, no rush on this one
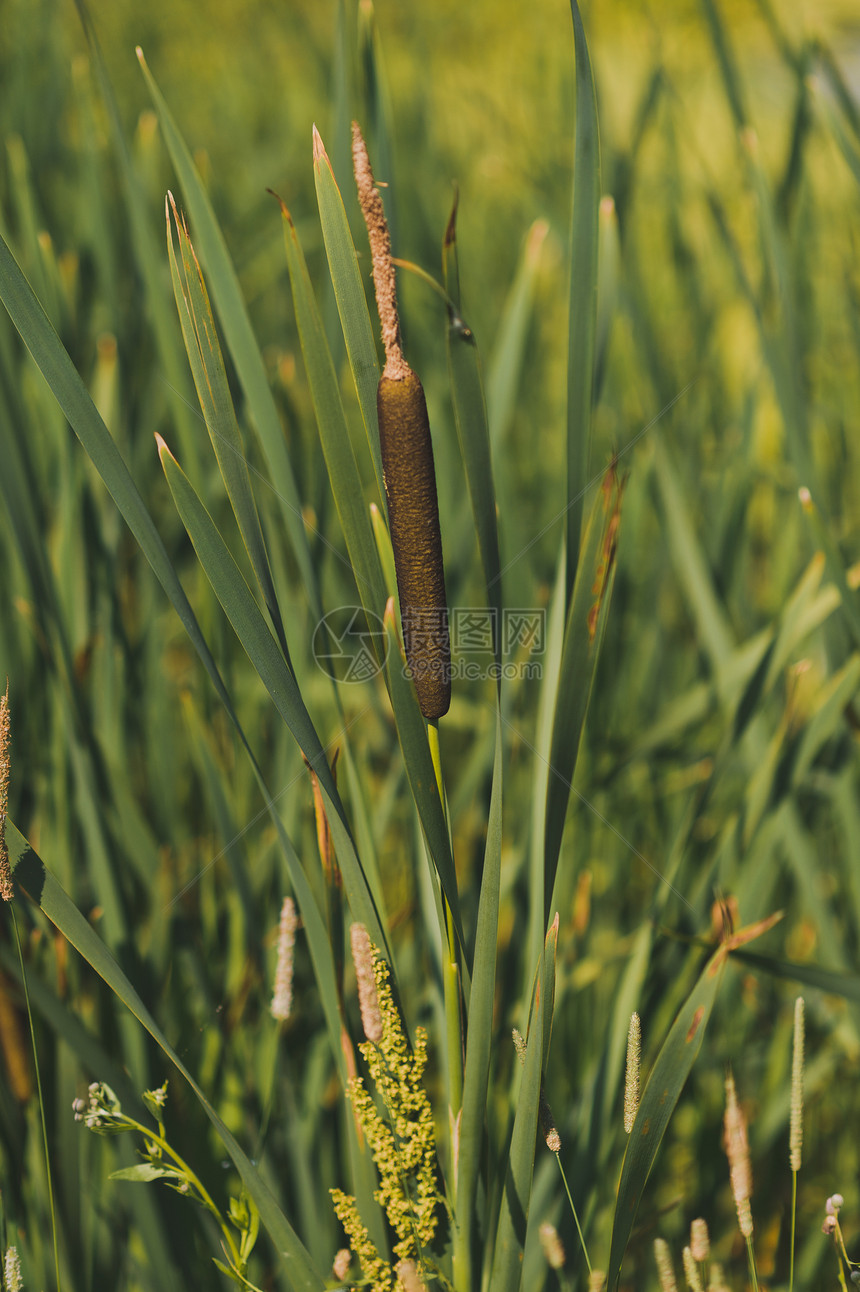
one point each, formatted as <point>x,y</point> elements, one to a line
<point>795,1136</point>
<point>416,539</point>
<point>700,1243</point>
<point>631,1083</point>
<point>6,888</point>
<point>368,1001</point>
<point>738,1153</point>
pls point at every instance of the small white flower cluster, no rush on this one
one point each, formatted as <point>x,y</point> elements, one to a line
<point>102,1111</point>
<point>831,1211</point>
<point>13,1280</point>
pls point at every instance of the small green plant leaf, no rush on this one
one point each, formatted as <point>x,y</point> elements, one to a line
<point>144,1172</point>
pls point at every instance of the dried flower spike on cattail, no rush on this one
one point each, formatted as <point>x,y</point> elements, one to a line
<point>410,478</point>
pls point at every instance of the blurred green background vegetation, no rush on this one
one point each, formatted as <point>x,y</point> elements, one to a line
<point>722,743</point>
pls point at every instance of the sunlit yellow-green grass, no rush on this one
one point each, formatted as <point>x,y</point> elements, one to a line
<point>717,780</point>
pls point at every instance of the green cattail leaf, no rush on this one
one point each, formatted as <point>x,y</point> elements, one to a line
<point>542,766</point>
<point>378,111</point>
<point>412,734</point>
<point>583,638</point>
<point>845,985</point>
<point>38,882</point>
<point>351,300</point>
<point>505,366</point>
<point>239,335</point>
<point>608,274</point>
<point>516,1195</point>
<point>661,1094</point>
<point>149,261</point>
<point>691,564</point>
<point>73,398</point>
<point>479,1034</point>
<point>337,448</point>
<point>835,564</point>
<point>262,650</point>
<point>470,415</point>
<point>583,293</point>
<point>210,379</point>
<point>727,62</point>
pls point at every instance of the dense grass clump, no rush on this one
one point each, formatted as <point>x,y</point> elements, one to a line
<point>306,973</point>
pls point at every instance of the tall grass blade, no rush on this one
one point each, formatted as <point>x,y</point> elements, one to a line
<point>351,300</point>
<point>339,456</point>
<point>583,293</point>
<point>470,415</point>
<point>479,1033</point>
<point>659,1098</point>
<point>239,335</point>
<point>256,638</point>
<point>210,379</point>
<point>583,637</point>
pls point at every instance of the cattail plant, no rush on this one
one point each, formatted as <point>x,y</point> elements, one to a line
<point>410,478</point>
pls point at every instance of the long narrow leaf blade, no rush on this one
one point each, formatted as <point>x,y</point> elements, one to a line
<point>351,300</point>
<point>251,629</point>
<point>582,642</point>
<point>239,335</point>
<point>583,291</point>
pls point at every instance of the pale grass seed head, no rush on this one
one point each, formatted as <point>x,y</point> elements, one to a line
<point>716,1279</point>
<point>13,1279</point>
<point>737,1151</point>
<point>700,1242</point>
<point>691,1271</point>
<point>665,1272</point>
<point>282,999</point>
<point>596,1281</point>
<point>795,1137</point>
<point>368,1002</point>
<point>631,1082</point>
<point>553,1248</point>
<point>341,1263</point>
<point>6,888</point>
<point>408,1277</point>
